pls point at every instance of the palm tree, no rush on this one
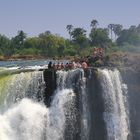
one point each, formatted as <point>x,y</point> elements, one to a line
<point>94,24</point>
<point>21,37</point>
<point>79,35</point>
<point>69,29</point>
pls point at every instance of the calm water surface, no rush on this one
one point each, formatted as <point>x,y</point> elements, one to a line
<point>26,63</point>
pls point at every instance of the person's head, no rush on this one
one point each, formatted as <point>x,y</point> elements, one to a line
<point>94,49</point>
<point>50,62</point>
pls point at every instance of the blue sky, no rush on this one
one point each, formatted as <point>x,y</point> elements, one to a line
<point>37,16</point>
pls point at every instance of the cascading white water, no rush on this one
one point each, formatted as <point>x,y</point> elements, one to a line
<point>65,81</point>
<point>25,119</point>
<point>85,110</point>
<point>65,78</point>
<point>114,95</point>
<point>56,118</point>
<point>19,86</point>
<point>22,117</point>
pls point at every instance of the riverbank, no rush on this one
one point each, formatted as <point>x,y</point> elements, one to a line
<point>128,60</point>
<point>21,57</point>
<point>116,59</point>
<point>35,57</point>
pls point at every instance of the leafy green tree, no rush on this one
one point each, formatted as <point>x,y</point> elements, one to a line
<point>138,29</point>
<point>21,37</point>
<point>99,37</point>
<point>117,28</point>
<point>46,33</point>
<point>5,46</point>
<point>94,24</point>
<point>69,29</point>
<point>129,36</point>
<point>51,45</point>
<point>133,28</point>
<point>32,42</point>
<point>70,49</point>
<point>79,36</point>
<point>18,41</point>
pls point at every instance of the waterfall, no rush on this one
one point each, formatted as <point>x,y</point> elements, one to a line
<point>56,119</point>
<point>25,121</point>
<point>116,112</point>
<point>85,116</point>
<point>73,110</point>
<point>23,117</point>
<point>76,112</point>
<point>18,86</point>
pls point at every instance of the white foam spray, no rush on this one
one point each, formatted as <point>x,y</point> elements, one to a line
<point>116,112</point>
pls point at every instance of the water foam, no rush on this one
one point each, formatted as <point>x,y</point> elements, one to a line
<point>25,121</point>
<point>114,95</point>
<point>18,86</point>
<point>56,115</point>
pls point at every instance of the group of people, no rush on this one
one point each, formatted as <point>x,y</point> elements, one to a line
<point>67,66</point>
<point>98,52</point>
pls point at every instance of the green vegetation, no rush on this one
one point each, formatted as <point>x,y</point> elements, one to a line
<point>113,38</point>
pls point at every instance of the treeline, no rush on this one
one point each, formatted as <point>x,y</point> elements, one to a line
<point>112,38</point>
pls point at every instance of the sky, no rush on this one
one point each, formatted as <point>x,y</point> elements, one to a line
<point>37,16</point>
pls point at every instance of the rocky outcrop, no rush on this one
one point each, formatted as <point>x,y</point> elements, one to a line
<point>131,77</point>
<point>129,66</point>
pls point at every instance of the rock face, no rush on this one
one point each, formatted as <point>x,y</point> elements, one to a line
<point>130,71</point>
<point>132,78</point>
<point>50,84</point>
<point>129,65</point>
<point>96,104</point>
